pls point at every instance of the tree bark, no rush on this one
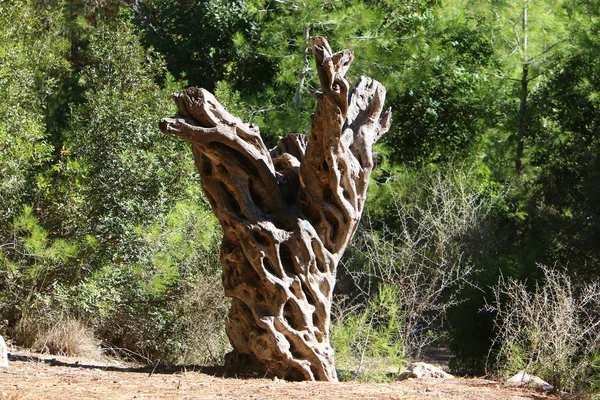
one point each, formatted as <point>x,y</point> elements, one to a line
<point>287,214</point>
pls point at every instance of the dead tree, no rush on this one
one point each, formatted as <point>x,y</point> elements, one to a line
<point>287,214</point>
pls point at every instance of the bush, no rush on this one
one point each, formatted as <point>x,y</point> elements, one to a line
<point>366,338</point>
<point>154,306</point>
<point>419,261</point>
<point>551,330</point>
<point>32,266</point>
<point>107,237</point>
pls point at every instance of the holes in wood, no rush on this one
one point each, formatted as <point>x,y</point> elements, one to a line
<point>321,266</point>
<point>316,320</point>
<point>228,200</point>
<point>249,274</point>
<point>294,350</point>
<point>262,343</point>
<point>302,197</point>
<point>261,305</point>
<point>261,238</point>
<point>293,315</point>
<point>294,374</point>
<point>258,202</point>
<point>257,198</point>
<point>296,288</point>
<point>316,218</point>
<point>232,156</point>
<point>328,194</point>
<point>287,260</point>
<point>207,169</point>
<point>315,371</point>
<point>309,297</point>
<point>289,183</point>
<point>333,222</point>
<point>231,277</point>
<point>318,335</point>
<point>240,312</point>
<point>324,286</point>
<point>269,267</point>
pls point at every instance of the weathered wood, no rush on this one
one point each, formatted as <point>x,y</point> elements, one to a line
<point>287,214</point>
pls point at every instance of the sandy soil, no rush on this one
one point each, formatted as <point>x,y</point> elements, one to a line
<point>35,376</point>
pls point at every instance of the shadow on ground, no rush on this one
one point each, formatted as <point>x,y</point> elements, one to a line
<point>217,371</point>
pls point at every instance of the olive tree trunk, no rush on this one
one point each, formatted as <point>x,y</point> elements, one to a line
<point>287,214</point>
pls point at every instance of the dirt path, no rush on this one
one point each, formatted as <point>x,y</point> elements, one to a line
<point>33,376</point>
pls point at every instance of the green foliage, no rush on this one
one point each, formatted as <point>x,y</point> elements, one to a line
<point>108,239</point>
<point>594,373</point>
<point>144,306</point>
<point>281,92</point>
<point>443,99</point>
<point>197,37</point>
<point>32,52</point>
<point>176,245</point>
<point>567,144</point>
<point>124,162</point>
<point>32,267</point>
<point>367,339</point>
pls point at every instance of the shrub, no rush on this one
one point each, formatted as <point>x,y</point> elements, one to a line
<point>32,266</point>
<point>551,330</point>
<point>419,261</point>
<point>366,337</point>
<point>594,374</point>
<point>47,332</point>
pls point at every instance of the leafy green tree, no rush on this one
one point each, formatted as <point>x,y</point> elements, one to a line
<point>438,71</point>
<point>525,34</point>
<point>90,185</point>
<point>280,96</point>
<point>119,176</point>
<point>566,144</point>
<point>32,60</point>
<point>196,37</point>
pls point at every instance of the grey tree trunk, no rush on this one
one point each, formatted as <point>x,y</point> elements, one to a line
<point>287,214</point>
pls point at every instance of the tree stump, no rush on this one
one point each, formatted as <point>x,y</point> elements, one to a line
<point>287,214</point>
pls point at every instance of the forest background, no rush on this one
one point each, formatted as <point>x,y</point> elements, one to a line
<point>482,227</point>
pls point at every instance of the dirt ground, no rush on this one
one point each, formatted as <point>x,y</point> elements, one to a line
<point>35,376</point>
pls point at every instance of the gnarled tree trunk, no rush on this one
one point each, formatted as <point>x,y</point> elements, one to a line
<point>287,214</point>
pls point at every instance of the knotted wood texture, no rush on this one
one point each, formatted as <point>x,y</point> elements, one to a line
<point>287,214</point>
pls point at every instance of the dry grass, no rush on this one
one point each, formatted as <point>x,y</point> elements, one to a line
<point>205,309</point>
<point>70,337</point>
<point>65,337</point>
